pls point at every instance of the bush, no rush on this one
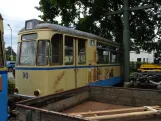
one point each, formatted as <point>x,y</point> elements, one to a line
<point>11,86</point>
<point>135,65</point>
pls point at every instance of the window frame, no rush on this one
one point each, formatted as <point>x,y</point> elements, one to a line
<point>21,52</point>
<point>109,53</point>
<point>48,51</point>
<point>18,54</point>
<point>85,43</point>
<point>29,38</point>
<point>74,47</point>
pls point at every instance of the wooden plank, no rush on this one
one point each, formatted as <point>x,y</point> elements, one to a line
<point>124,115</point>
<point>112,111</point>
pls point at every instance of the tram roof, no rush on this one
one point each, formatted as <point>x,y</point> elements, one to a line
<point>63,29</point>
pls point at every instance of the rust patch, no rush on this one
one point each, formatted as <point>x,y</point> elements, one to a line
<point>58,79</point>
<point>106,73</point>
<point>89,76</point>
<point>94,74</point>
<point>98,73</point>
<point>111,73</point>
<point>59,90</point>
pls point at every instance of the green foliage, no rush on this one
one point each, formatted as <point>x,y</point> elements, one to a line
<point>8,54</point>
<point>11,86</point>
<point>90,16</point>
<point>133,74</point>
<point>135,65</point>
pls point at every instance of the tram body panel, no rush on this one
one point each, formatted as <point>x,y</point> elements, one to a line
<point>105,73</point>
<point>56,80</point>
<point>30,80</point>
<point>81,75</point>
<point>4,95</point>
<point>73,59</point>
<point>3,77</point>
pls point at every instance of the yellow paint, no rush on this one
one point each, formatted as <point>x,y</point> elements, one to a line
<point>54,81</point>
<point>149,67</point>
<point>3,69</point>
<point>58,79</point>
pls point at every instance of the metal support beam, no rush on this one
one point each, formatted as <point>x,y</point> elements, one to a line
<point>126,40</point>
<point>115,12</point>
<point>141,7</point>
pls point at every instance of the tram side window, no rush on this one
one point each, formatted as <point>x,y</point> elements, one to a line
<point>102,54</point>
<point>69,50</point>
<point>18,53</point>
<point>57,47</point>
<point>118,59</point>
<point>114,55</point>
<point>81,51</point>
<point>42,57</point>
<point>1,51</point>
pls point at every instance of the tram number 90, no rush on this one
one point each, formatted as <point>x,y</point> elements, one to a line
<point>25,75</point>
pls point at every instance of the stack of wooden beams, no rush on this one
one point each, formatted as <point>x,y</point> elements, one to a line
<point>119,113</point>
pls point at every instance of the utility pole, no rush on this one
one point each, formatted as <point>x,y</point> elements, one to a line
<point>126,41</point>
<point>11,41</point>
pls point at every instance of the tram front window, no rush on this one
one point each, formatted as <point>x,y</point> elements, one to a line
<point>28,53</point>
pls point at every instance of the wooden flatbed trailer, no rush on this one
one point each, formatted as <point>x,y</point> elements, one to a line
<point>93,103</point>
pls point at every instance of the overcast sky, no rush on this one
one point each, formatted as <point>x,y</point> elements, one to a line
<point>15,12</point>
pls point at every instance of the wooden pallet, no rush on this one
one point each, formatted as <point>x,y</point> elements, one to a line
<point>119,113</point>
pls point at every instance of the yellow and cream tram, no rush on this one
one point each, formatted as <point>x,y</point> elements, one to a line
<point>53,58</point>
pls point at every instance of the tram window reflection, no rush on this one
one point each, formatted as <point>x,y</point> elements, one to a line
<point>57,47</point>
<point>81,51</point>
<point>102,54</point>
<point>28,53</point>
<point>42,56</point>
<point>69,50</point>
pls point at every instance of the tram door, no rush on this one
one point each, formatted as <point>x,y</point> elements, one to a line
<point>81,70</point>
<point>75,61</point>
<point>69,61</point>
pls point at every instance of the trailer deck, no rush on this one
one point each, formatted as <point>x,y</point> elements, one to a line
<point>93,103</point>
<point>92,106</point>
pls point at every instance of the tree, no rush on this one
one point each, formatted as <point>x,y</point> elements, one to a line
<point>90,16</point>
<point>8,54</point>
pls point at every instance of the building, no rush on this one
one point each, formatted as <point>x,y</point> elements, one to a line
<point>143,56</point>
